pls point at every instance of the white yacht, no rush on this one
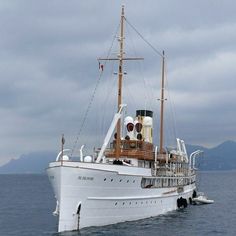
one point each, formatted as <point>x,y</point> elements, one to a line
<point>128,177</point>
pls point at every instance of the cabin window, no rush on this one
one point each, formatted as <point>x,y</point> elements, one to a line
<point>147,164</point>
<point>146,183</point>
<point>165,183</point>
<point>140,163</point>
<point>157,183</point>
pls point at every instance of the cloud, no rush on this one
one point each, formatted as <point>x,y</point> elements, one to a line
<point>49,69</point>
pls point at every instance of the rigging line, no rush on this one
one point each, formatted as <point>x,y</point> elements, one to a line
<point>107,101</point>
<point>93,94</point>
<point>171,104</point>
<point>145,40</point>
<point>104,105</point>
<point>150,91</point>
<point>140,68</point>
<point>158,52</point>
<point>128,95</point>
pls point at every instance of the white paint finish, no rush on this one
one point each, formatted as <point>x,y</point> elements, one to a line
<point>121,169</point>
<point>107,197</point>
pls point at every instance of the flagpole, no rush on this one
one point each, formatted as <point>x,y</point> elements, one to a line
<point>62,148</point>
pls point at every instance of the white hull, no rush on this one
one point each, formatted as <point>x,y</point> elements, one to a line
<point>91,194</point>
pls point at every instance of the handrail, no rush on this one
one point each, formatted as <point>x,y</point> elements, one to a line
<point>60,154</point>
<point>193,157</point>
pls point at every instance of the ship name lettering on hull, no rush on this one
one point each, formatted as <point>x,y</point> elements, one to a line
<point>85,178</point>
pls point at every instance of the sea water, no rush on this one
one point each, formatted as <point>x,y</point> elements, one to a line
<point>27,203</point>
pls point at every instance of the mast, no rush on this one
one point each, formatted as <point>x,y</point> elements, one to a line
<point>162,104</point>
<point>121,59</point>
<point>120,78</point>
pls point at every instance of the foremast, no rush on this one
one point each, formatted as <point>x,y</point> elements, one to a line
<point>118,151</point>
<point>120,80</point>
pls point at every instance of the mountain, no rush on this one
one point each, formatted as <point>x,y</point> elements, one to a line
<point>221,157</point>
<point>35,162</point>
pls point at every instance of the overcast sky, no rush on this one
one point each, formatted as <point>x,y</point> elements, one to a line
<point>48,68</point>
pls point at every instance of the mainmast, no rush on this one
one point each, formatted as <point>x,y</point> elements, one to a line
<point>120,75</point>
<point>161,151</point>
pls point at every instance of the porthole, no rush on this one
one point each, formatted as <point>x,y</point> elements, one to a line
<point>136,203</point>
<point>127,181</point>
<point>105,179</point>
<point>120,180</point>
<point>123,203</point>
<point>133,181</point>
<point>116,203</point>
<point>111,180</point>
<point>129,203</point>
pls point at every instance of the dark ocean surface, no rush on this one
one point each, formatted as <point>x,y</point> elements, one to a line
<point>27,203</point>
